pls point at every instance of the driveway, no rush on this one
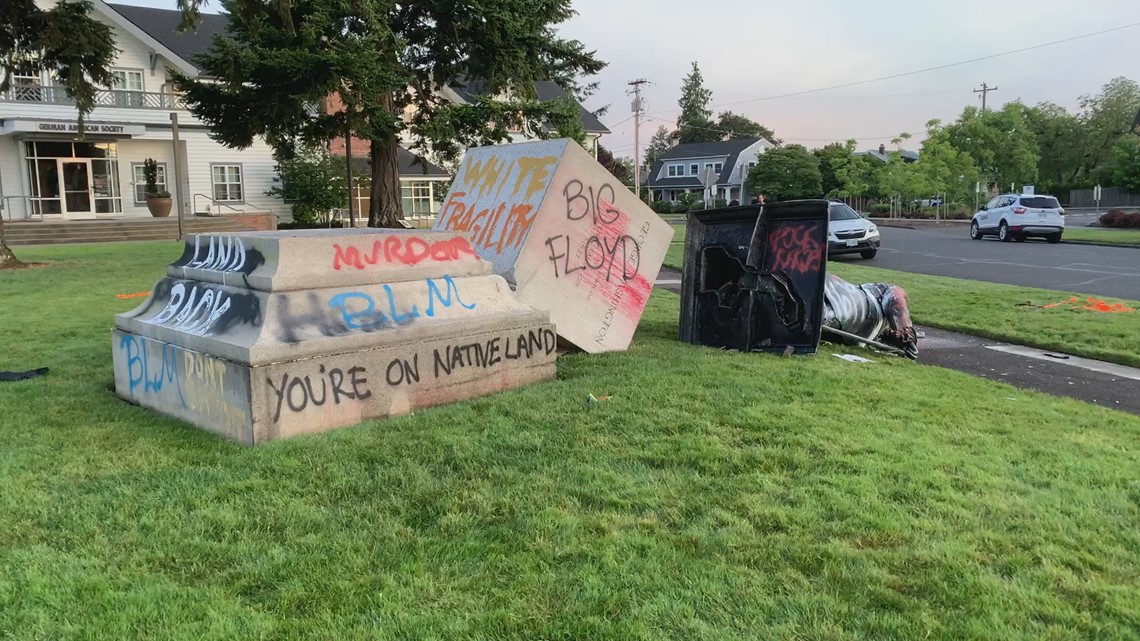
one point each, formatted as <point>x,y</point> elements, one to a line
<point>1104,271</point>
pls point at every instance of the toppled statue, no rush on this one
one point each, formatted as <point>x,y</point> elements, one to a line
<point>873,311</point>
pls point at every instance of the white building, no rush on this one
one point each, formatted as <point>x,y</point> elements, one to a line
<point>47,172</point>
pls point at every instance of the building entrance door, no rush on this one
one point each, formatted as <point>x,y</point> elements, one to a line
<point>75,176</point>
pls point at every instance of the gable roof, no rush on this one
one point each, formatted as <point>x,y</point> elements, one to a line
<point>907,156</point>
<point>407,162</point>
<point>730,150</point>
<point>545,90</point>
<point>162,25</point>
<point>709,149</point>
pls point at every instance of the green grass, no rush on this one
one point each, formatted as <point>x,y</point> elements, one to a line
<point>716,495</point>
<point>1108,237</point>
<point>1001,312</point>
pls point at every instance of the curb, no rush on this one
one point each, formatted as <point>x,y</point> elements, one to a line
<point>1093,243</point>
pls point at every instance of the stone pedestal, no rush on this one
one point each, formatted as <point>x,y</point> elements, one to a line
<point>267,335</point>
<point>564,232</point>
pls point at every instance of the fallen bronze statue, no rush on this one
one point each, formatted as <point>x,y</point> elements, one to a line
<point>873,314</point>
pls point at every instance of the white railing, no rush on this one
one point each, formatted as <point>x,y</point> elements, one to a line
<point>103,98</point>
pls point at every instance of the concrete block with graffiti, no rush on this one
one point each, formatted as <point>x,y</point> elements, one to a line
<point>568,236</point>
<point>266,335</point>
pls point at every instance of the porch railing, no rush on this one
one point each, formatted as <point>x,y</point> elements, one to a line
<point>103,98</point>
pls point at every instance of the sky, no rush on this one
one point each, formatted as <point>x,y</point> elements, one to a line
<point>750,51</point>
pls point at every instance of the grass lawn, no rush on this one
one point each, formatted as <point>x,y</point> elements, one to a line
<point>1113,237</point>
<point>1001,312</point>
<point>716,495</point>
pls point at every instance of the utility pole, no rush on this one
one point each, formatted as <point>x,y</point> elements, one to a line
<point>348,167</point>
<point>638,108</point>
<point>179,193</point>
<point>985,90</point>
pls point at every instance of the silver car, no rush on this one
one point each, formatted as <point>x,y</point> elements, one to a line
<point>850,233</point>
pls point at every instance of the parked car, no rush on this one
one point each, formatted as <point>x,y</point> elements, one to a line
<point>1020,216</point>
<point>850,233</point>
<point>933,201</point>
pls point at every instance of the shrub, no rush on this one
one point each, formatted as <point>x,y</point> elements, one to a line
<point>880,208</point>
<point>1113,218</point>
<point>922,214</point>
<point>1133,220</point>
<point>661,206</point>
<point>312,183</point>
<point>150,176</point>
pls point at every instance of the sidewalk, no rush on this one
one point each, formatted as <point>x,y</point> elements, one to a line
<point>1105,384</point>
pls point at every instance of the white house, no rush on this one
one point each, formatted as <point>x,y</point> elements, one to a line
<point>48,172</point>
<point>680,170</point>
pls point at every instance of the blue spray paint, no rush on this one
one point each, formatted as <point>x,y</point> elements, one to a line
<point>139,372</point>
<point>359,310</point>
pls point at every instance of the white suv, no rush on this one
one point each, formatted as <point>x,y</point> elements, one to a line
<point>1019,216</point>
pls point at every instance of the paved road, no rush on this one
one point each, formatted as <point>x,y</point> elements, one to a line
<point>1103,271</point>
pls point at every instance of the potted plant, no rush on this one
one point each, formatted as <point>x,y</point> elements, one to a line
<point>157,202</point>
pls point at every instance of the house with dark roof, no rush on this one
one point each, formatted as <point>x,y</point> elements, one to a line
<point>714,170</point>
<point>545,90</point>
<point>882,155</point>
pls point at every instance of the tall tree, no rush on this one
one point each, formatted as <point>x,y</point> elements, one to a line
<point>1061,144</point>
<point>735,126</point>
<point>386,62</point>
<point>785,173</point>
<point>942,169</point>
<point>1123,169</point>
<point>661,141</point>
<point>621,168</point>
<point>64,41</point>
<point>855,175</point>
<point>830,156</point>
<point>897,179</point>
<point>1106,117</point>
<point>1001,142</point>
<point>695,122</point>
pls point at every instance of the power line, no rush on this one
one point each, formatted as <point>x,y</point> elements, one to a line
<point>727,132</point>
<point>928,69</point>
<point>623,122</point>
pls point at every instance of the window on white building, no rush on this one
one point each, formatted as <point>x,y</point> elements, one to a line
<point>139,179</point>
<point>694,169</point>
<point>127,86</point>
<point>227,182</point>
<point>718,167</point>
<point>418,198</point>
<point>673,171</point>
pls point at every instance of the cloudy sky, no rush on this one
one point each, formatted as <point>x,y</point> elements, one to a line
<point>752,50</point>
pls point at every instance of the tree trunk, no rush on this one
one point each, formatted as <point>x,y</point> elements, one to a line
<point>384,207</point>
<point>7,258</point>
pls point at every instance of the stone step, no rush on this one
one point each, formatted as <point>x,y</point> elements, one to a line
<point>106,231</point>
